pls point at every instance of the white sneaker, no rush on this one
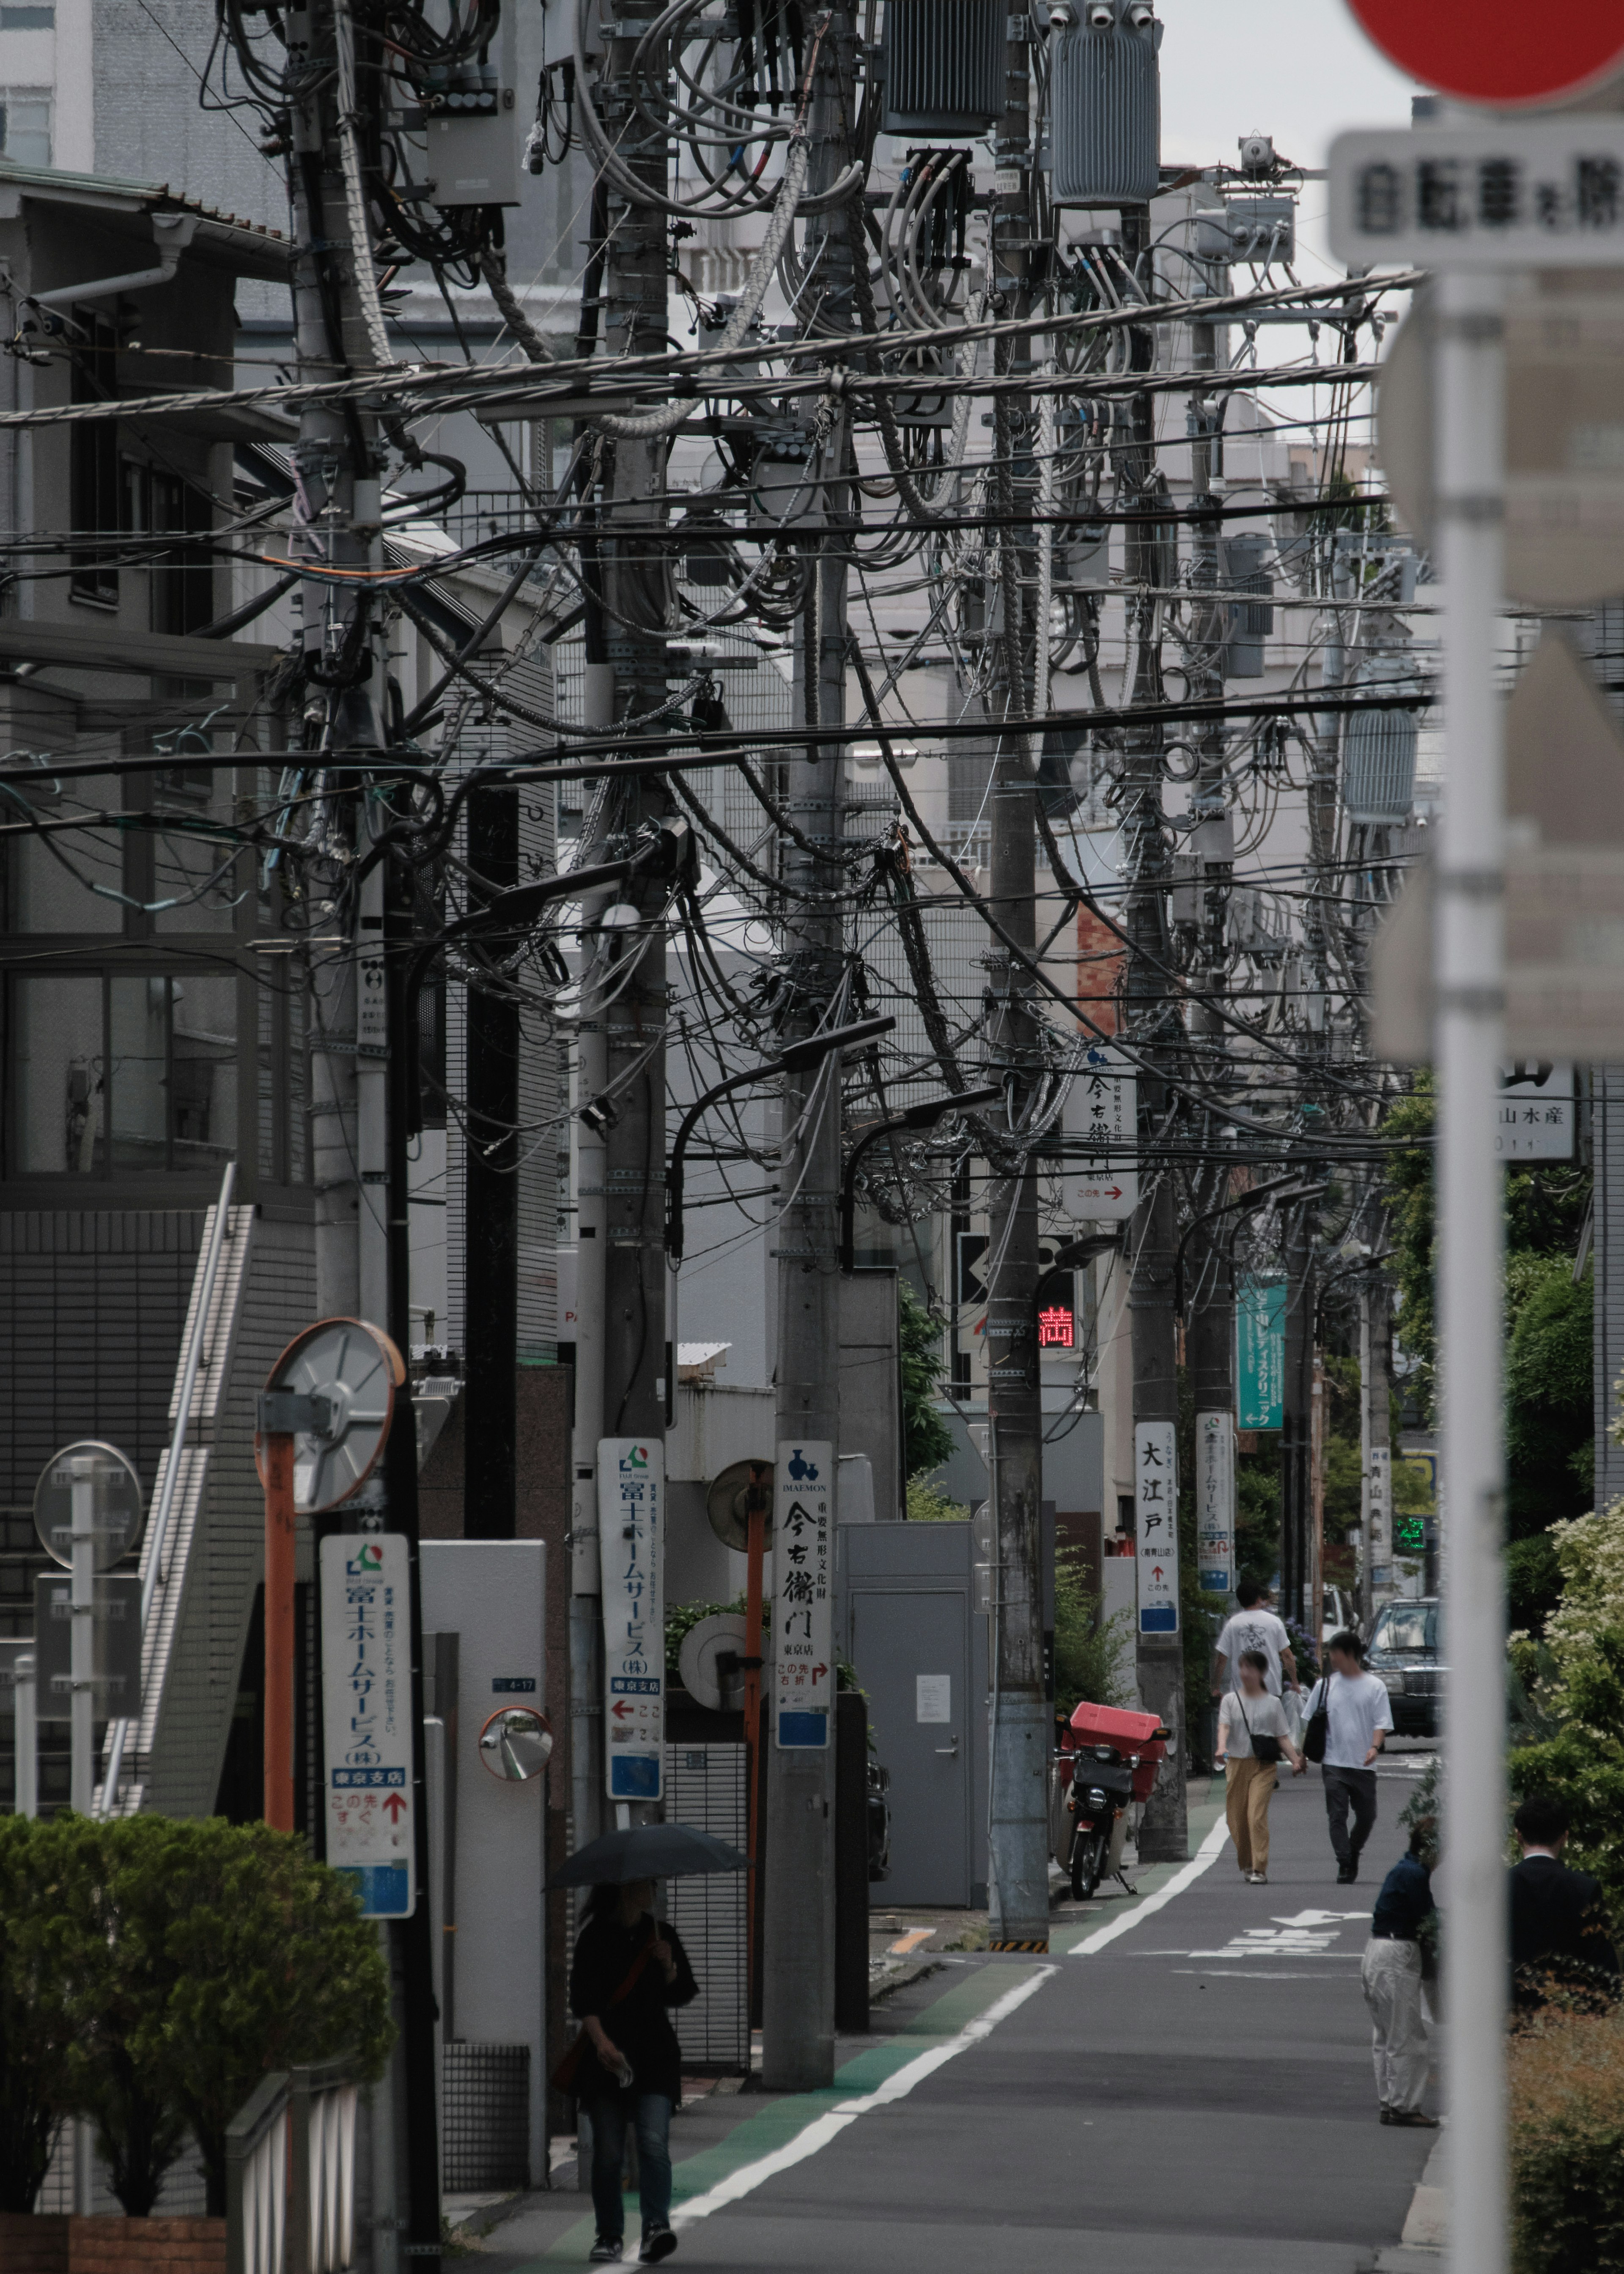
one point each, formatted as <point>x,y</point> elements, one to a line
<point>1257,1878</point>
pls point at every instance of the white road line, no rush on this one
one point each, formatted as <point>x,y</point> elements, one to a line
<point>823,2128</point>
<point>1206,1855</point>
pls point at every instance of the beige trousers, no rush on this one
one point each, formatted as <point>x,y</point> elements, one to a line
<point>1248,1784</point>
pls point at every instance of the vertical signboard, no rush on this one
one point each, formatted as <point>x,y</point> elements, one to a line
<point>1378,1533</point>
<point>1101,1126</point>
<point>1259,1351</point>
<point>1155,1535</point>
<point>366,1718</point>
<point>631,1517</point>
<point>1215,1500</point>
<point>1534,1119</point>
<point>803,1621</point>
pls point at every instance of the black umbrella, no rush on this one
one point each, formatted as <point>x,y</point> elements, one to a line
<point>648,1851</point>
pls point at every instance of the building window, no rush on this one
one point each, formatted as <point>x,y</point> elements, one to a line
<point>183,576</point>
<point>123,1074</point>
<point>25,111</point>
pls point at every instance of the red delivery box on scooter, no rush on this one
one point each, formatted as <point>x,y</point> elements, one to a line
<point>1130,1732</point>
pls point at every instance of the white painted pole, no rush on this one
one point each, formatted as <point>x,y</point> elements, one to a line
<point>1470,951</point>
<point>82,1639</point>
<point>26,1707</point>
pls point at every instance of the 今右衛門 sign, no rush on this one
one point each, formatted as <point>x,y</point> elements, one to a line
<point>1156,1525</point>
<point>366,1718</point>
<point>1100,1124</point>
<point>631,1516</point>
<point>803,1629</point>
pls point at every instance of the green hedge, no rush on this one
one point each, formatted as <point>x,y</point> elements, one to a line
<point>1567,2081</point>
<point>151,1971</point>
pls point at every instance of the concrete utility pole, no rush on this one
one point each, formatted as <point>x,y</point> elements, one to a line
<point>338,463</point>
<point>1375,1445</point>
<point>636,611</point>
<point>797,1938</point>
<point>1017,1879</point>
<point>1151,1020</point>
<point>1296,1410</point>
<point>491,1209</point>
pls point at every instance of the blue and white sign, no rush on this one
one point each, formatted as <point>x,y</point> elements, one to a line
<point>1155,1533</point>
<point>803,1606</point>
<point>631,1528</point>
<point>1259,1351</point>
<point>366,1718</point>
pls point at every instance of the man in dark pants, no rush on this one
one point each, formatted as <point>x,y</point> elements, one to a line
<point>1359,1717</point>
<point>1558,1919</point>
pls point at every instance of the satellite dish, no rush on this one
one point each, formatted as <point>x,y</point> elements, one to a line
<point>707,1676</point>
<point>116,1513</point>
<point>727,1506</point>
<point>356,1370</point>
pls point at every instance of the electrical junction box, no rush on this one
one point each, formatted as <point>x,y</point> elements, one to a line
<point>473,158</point>
<point>1259,230</point>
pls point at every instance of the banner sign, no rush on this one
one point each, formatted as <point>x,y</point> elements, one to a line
<point>1100,1123</point>
<point>631,1525</point>
<point>366,1718</point>
<point>1155,1535</point>
<point>1215,1500</point>
<point>1259,1351</point>
<point>803,1608</point>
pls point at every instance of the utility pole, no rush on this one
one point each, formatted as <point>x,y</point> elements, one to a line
<point>797,1938</point>
<point>1153,1024</point>
<point>1375,1444</point>
<point>491,1209</point>
<point>1018,1876</point>
<point>1296,1414</point>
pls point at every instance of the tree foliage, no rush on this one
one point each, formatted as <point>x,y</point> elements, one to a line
<point>1574,1683</point>
<point>34,2044</point>
<point>927,1440</point>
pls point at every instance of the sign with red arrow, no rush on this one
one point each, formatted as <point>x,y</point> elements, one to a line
<point>803,1604</point>
<point>366,1718</point>
<point>1099,1129</point>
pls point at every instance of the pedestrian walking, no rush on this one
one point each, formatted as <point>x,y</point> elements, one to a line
<point>1254,1626</point>
<point>628,1971</point>
<point>1390,1974</point>
<point>1559,1918</point>
<point>1253,1735</point>
<point>1358,1717</point>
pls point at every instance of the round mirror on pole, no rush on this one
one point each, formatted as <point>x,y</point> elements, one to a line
<point>728,1503</point>
<point>352,1370</point>
<point>712,1665</point>
<point>117,1514</point>
<point>515,1744</point>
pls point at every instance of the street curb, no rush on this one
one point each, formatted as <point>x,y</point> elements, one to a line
<point>902,1979</point>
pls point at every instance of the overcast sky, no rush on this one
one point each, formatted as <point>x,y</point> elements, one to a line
<point>1299,69</point>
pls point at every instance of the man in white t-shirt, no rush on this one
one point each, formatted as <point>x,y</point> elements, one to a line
<point>1359,1716</point>
<point>1254,1626</point>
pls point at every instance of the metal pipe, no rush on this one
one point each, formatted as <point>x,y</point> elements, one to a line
<point>1469,947</point>
<point>159,1533</point>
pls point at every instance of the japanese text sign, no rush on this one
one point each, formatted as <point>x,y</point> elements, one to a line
<point>1519,193</point>
<point>1155,1525</point>
<point>631,1525</point>
<point>1259,1351</point>
<point>366,1718</point>
<point>1535,1117</point>
<point>803,1611</point>
<point>1215,1500</point>
<point>1101,1126</point>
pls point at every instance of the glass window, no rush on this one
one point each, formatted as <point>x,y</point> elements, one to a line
<point>25,111</point>
<point>24,19</point>
<point>203,1071</point>
<point>58,1085</point>
<point>1407,1627</point>
<point>137,1073</point>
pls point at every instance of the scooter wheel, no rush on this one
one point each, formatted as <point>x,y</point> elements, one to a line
<point>1082,1886</point>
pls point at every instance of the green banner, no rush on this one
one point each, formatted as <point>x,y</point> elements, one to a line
<point>1259,1351</point>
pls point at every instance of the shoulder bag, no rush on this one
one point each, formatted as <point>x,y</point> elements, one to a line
<point>1264,1747</point>
<point>563,2078</point>
<point>1317,1735</point>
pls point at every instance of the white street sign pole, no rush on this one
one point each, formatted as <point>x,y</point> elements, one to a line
<point>27,1729</point>
<point>1470,952</point>
<point>82,1633</point>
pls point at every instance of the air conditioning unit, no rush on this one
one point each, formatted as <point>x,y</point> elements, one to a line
<point>1379,750</point>
<point>1105,106</point>
<point>944,66</point>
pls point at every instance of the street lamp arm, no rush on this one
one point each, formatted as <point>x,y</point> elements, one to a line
<point>796,1057</point>
<point>917,1116</point>
<point>1254,1199</point>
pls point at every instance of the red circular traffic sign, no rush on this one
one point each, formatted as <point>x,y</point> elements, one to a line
<point>1502,53</point>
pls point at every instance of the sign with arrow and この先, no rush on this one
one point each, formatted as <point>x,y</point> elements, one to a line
<point>631,1517</point>
<point>366,1718</point>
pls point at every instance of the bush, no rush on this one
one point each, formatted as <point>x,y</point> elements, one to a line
<point>1087,1648</point>
<point>152,1970</point>
<point>1533,1582</point>
<point>1566,2110</point>
<point>33,2042</point>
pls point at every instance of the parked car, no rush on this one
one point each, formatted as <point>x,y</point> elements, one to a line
<point>1404,1652</point>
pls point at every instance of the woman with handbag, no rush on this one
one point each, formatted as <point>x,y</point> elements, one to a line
<point>1253,1734</point>
<point>626,2066</point>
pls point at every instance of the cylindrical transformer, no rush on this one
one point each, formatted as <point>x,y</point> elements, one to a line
<point>1105,106</point>
<point>1379,750</point>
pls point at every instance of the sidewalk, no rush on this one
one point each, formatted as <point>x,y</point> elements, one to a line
<point>1183,2087</point>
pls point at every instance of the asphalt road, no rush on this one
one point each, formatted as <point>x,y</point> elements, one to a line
<point>1194,2098</point>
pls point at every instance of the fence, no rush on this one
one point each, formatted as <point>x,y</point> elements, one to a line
<point>290,2174</point>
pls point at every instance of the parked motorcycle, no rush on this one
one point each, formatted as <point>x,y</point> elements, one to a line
<point>1109,1759</point>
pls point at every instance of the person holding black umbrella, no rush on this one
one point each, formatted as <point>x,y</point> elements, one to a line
<point>629,1971</point>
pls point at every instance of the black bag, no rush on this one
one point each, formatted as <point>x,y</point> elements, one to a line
<point>1317,1735</point>
<point>1264,1747</point>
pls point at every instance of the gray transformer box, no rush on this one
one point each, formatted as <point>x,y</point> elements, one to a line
<point>1105,109</point>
